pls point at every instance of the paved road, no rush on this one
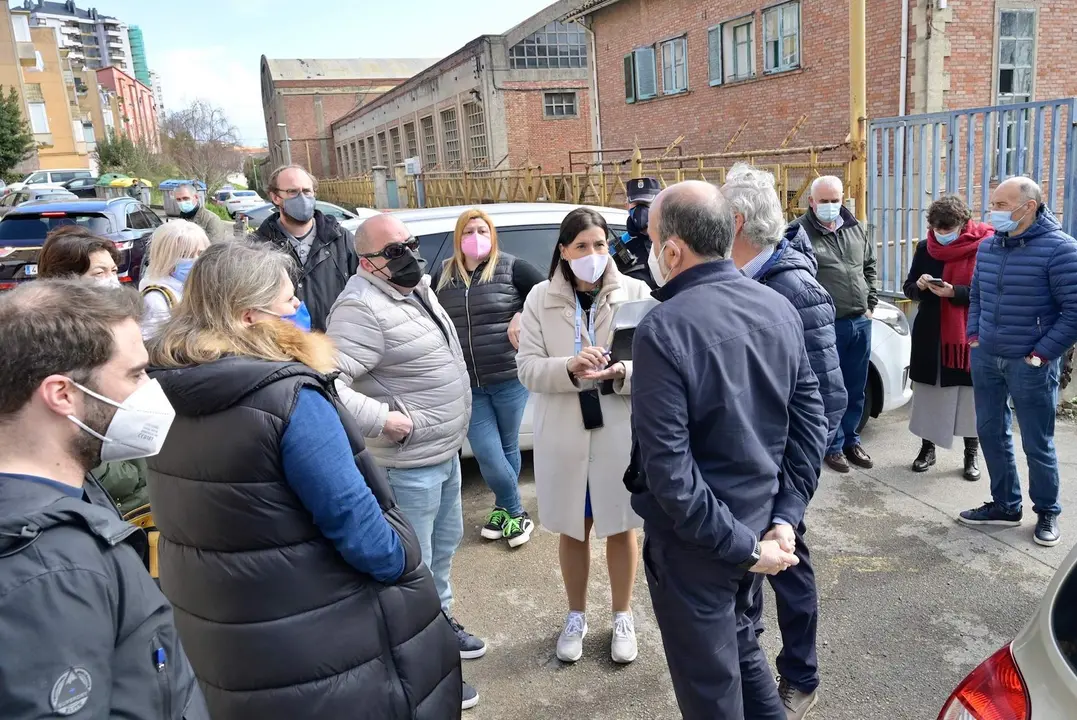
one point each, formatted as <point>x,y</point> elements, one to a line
<point>910,601</point>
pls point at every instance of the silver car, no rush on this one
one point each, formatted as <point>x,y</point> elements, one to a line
<point>1035,676</point>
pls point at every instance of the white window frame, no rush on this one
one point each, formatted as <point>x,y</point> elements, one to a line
<point>783,33</point>
<point>730,65</point>
<point>1000,66</point>
<point>669,50</point>
<point>43,119</point>
<point>714,55</point>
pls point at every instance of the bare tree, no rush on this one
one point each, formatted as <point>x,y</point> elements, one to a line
<point>201,141</point>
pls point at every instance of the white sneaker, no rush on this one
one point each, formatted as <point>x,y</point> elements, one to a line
<point>570,644</point>
<point>623,649</point>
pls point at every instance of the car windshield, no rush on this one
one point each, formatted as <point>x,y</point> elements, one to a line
<point>32,229</point>
<point>246,193</point>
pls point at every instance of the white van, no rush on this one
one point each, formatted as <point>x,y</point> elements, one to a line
<point>49,176</point>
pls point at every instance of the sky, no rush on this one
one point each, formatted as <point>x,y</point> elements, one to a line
<point>210,49</point>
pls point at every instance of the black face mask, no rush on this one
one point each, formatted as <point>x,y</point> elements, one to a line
<point>637,221</point>
<point>406,270</point>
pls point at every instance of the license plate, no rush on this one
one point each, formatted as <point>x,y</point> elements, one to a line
<point>29,270</point>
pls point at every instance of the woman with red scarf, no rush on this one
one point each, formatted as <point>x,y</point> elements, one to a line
<point>942,401</point>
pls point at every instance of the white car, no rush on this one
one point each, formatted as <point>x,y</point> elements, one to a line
<point>241,201</point>
<point>350,221</point>
<point>529,231</point>
<point>48,177</point>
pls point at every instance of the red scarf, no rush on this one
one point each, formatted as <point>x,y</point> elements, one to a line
<point>959,258</point>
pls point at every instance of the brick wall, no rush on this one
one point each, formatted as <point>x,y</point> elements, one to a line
<point>538,140</point>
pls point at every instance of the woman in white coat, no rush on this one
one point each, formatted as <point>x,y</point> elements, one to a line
<point>582,429</point>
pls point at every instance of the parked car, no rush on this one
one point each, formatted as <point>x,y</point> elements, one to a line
<point>1035,676</point>
<point>348,220</point>
<point>84,187</point>
<point>242,200</point>
<point>50,177</point>
<point>529,231</point>
<point>124,220</point>
<point>33,193</point>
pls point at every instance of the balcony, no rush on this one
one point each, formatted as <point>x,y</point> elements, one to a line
<point>27,54</point>
<point>70,30</point>
<point>43,139</point>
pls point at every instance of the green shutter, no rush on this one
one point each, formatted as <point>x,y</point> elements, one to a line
<point>630,80</point>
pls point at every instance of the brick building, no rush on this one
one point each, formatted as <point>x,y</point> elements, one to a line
<point>500,101</point>
<point>137,107</point>
<point>301,99</point>
<point>667,68</point>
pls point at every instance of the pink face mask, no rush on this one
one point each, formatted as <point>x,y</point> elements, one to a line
<point>475,246</point>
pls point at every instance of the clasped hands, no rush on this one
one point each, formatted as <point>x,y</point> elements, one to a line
<point>776,550</point>
<point>591,364</point>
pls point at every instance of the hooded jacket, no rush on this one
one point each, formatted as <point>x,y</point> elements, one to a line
<point>1023,297</point>
<point>791,271</point>
<point>84,630</point>
<point>330,262</point>
<point>278,625</point>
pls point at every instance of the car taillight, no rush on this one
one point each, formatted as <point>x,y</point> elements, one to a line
<point>5,251</point>
<point>121,245</point>
<point>993,691</point>
<point>53,214</point>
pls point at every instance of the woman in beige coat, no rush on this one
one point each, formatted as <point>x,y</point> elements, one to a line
<point>578,471</point>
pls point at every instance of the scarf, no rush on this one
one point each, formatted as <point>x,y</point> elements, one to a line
<point>959,260</point>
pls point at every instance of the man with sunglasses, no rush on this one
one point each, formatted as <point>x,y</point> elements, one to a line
<point>323,250</point>
<point>404,379</point>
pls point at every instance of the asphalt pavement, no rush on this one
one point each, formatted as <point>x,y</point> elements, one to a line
<point>910,601</point>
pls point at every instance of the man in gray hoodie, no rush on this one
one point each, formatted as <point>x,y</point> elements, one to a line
<point>83,628</point>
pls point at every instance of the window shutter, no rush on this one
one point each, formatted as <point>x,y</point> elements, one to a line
<point>646,80</point>
<point>630,79</point>
<point>714,54</point>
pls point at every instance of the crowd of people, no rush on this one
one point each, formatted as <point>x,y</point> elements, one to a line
<point>287,413</point>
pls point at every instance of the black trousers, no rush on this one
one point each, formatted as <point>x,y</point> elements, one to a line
<point>796,600</point>
<point>719,671</point>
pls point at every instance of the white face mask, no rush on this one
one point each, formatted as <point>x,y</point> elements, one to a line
<point>827,212</point>
<point>589,268</point>
<point>654,263</point>
<point>139,427</point>
<point>108,281</point>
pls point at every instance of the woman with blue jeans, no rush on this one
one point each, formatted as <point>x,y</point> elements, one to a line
<point>483,291</point>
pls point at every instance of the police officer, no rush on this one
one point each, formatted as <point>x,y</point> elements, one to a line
<point>631,249</point>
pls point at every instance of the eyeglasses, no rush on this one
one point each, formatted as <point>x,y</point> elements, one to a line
<point>392,251</point>
<point>296,192</point>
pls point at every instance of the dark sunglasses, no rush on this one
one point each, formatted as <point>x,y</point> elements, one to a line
<point>392,251</point>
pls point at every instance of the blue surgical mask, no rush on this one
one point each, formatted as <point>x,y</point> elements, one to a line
<point>828,212</point>
<point>186,206</point>
<point>947,238</point>
<point>1002,221</point>
<point>183,267</point>
<point>300,318</point>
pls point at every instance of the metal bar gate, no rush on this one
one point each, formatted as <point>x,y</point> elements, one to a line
<point>914,160</point>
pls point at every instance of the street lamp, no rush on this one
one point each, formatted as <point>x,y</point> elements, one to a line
<point>285,144</point>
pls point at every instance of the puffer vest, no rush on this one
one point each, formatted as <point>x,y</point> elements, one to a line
<point>481,314</point>
<point>276,623</point>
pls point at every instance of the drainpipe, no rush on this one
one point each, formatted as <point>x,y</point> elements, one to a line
<point>595,111</point>
<point>903,80</point>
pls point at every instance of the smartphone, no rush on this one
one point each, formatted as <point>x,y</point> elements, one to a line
<point>937,282</point>
<point>591,407</point>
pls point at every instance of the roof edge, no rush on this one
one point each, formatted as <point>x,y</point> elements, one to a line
<point>588,8</point>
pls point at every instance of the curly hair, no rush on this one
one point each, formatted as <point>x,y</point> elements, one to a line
<point>948,213</point>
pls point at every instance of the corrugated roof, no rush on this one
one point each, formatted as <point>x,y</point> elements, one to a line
<point>347,69</point>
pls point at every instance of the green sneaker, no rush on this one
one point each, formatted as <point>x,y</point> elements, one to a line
<point>494,529</point>
<point>518,529</point>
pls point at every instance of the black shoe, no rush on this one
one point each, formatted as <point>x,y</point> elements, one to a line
<point>518,529</point>
<point>1047,532</point>
<point>972,470</point>
<point>926,458</point>
<point>858,457</point>
<point>471,647</point>
<point>470,697</point>
<point>990,514</point>
<point>494,529</point>
<point>837,462</point>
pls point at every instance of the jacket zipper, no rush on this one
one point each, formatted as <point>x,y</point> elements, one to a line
<point>1001,271</point>
<point>470,337</point>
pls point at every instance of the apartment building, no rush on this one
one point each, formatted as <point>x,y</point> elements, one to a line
<point>16,52</point>
<point>52,104</point>
<point>136,108</point>
<point>92,40</point>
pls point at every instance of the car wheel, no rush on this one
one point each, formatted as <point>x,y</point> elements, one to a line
<point>869,403</point>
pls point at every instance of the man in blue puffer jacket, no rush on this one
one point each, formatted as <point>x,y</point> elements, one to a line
<point>787,265</point>
<point>1022,318</point>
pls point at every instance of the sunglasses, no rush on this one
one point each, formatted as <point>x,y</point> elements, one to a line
<point>392,251</point>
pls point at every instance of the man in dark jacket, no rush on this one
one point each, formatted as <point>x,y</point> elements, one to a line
<point>1022,318</point>
<point>729,435</point>
<point>84,631</point>
<point>631,249</point>
<point>323,250</point>
<point>846,268</point>
<point>786,265</point>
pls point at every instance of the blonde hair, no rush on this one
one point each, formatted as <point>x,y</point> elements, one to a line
<point>228,280</point>
<point>174,241</point>
<point>454,267</point>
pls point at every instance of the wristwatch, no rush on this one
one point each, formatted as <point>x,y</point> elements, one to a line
<point>757,552</point>
<point>1034,360</point>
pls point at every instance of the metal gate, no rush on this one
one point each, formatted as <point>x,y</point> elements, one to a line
<point>914,160</point>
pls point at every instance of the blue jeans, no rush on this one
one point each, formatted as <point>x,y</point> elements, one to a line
<point>494,434</point>
<point>854,353</point>
<point>429,497</point>
<point>1035,397</point>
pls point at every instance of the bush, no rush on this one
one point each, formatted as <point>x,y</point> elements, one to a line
<point>218,210</point>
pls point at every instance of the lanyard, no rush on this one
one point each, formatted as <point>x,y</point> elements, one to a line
<point>579,323</point>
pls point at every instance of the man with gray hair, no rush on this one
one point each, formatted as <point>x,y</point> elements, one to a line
<point>728,434</point>
<point>189,203</point>
<point>846,268</point>
<point>787,265</point>
<point>1022,318</point>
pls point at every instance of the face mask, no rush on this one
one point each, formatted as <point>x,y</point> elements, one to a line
<point>139,427</point>
<point>476,246</point>
<point>828,212</point>
<point>109,281</point>
<point>186,206</point>
<point>589,268</point>
<point>1003,221</point>
<point>637,220</point>
<point>946,239</point>
<point>183,267</point>
<point>300,318</point>
<point>406,270</point>
<point>300,208</point>
<point>654,264</point>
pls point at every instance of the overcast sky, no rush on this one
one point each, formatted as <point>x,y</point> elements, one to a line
<point>210,49</point>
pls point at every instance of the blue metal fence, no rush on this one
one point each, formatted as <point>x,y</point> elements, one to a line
<point>914,160</point>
